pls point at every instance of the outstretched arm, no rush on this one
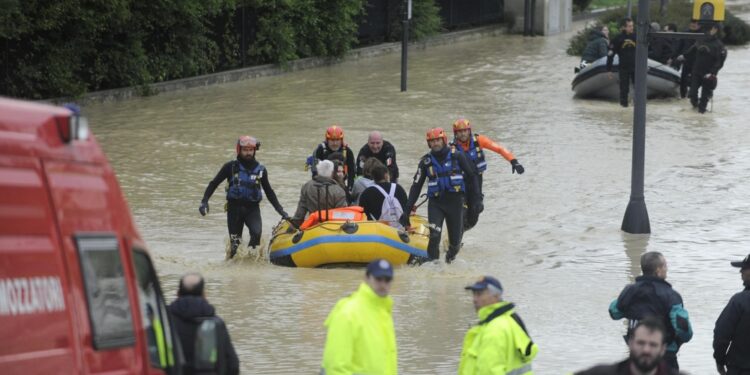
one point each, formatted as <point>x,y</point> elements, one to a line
<point>271,194</point>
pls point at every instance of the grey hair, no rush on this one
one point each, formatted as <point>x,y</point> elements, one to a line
<point>325,168</point>
<point>494,290</point>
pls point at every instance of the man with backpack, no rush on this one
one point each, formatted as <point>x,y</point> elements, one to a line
<point>385,200</point>
<point>191,311</point>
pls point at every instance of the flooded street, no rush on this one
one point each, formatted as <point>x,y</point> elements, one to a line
<point>552,235</point>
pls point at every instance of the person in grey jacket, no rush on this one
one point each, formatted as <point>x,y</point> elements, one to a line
<point>320,193</point>
<point>597,47</point>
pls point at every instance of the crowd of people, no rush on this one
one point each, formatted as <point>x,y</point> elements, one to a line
<point>453,171</point>
<point>698,60</point>
<point>361,337</point>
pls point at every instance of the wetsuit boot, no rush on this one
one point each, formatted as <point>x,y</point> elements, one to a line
<point>450,256</point>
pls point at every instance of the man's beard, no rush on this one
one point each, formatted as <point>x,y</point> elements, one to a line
<point>643,363</point>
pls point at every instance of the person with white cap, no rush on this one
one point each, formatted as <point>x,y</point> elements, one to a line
<point>361,338</point>
<point>499,343</point>
<point>245,178</point>
<point>732,330</point>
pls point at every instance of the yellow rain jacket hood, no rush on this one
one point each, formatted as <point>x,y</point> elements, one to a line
<point>361,338</point>
<point>498,345</point>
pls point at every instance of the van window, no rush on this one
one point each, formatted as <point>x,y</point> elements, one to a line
<point>161,346</point>
<point>106,291</point>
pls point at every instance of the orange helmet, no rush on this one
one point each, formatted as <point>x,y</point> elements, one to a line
<point>436,133</point>
<point>461,124</point>
<point>245,141</point>
<point>334,132</point>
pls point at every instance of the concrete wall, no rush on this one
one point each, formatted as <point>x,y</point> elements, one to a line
<point>552,16</point>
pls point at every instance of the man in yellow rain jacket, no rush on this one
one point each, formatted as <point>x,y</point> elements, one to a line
<point>499,344</point>
<point>361,339</point>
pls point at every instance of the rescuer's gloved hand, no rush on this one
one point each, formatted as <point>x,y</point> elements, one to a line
<point>516,166</point>
<point>284,215</point>
<point>203,209</point>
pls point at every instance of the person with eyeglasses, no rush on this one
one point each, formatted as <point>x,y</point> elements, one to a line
<point>361,338</point>
<point>245,178</point>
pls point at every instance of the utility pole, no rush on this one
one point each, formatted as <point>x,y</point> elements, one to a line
<point>636,215</point>
<point>405,43</point>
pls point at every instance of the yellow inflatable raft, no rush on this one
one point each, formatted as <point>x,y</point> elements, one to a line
<point>347,240</point>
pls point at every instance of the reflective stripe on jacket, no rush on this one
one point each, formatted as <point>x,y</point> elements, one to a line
<point>361,338</point>
<point>244,184</point>
<point>444,177</point>
<point>498,345</point>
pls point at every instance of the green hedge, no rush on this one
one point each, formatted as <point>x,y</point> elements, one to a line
<point>679,12</point>
<point>65,48</point>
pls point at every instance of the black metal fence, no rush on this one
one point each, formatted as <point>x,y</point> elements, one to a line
<point>462,13</point>
<point>380,15</point>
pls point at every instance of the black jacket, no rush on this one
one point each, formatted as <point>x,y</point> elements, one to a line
<point>652,296</point>
<point>187,312</point>
<point>623,368</point>
<point>683,48</point>
<point>709,56</point>
<point>372,199</point>
<point>624,46</point>
<point>225,173</point>
<point>322,152</point>
<point>387,156</point>
<point>732,332</point>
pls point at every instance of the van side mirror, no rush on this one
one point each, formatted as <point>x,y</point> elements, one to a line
<point>209,355</point>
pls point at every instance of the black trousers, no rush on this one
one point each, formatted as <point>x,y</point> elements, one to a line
<point>671,359</point>
<point>627,76</point>
<point>471,217</point>
<point>737,371</point>
<point>685,76</point>
<point>697,83</point>
<point>448,208</point>
<point>239,216</point>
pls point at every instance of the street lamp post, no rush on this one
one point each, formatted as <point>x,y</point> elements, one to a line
<point>405,43</point>
<point>636,215</point>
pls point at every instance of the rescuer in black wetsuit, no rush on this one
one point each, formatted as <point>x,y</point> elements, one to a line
<point>245,177</point>
<point>335,143</point>
<point>684,55</point>
<point>624,47</point>
<point>451,175</point>
<point>380,149</point>
<point>709,59</point>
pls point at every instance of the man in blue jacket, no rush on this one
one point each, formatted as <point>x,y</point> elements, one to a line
<point>652,295</point>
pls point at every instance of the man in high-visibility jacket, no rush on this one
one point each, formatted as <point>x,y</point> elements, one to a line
<point>361,338</point>
<point>473,145</point>
<point>499,344</point>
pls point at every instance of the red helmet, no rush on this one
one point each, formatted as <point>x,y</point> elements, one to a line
<point>245,141</point>
<point>436,133</point>
<point>334,132</point>
<point>461,124</point>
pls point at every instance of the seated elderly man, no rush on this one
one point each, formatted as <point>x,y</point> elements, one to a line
<point>320,193</point>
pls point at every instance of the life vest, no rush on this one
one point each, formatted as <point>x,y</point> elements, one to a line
<point>244,184</point>
<point>475,152</point>
<point>351,213</point>
<point>444,177</point>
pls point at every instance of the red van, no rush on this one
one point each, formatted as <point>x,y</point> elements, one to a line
<point>78,290</point>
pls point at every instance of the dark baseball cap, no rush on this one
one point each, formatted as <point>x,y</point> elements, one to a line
<point>380,268</point>
<point>485,282</point>
<point>745,263</point>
